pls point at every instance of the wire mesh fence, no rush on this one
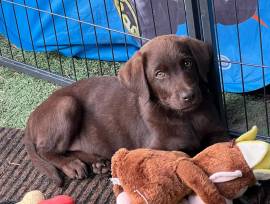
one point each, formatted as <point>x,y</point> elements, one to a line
<point>68,40</point>
<point>249,106</point>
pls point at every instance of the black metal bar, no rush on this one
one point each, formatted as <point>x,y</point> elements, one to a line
<point>192,18</point>
<point>31,37</point>
<point>56,39</point>
<point>1,51</point>
<point>241,67</point>
<point>35,72</point>
<point>221,72</point>
<point>82,39</point>
<point>18,31</point>
<point>1,54</point>
<point>5,25</point>
<point>43,37</point>
<point>203,20</point>
<point>206,22</point>
<point>208,33</point>
<point>110,35</point>
<point>69,41</point>
<point>96,38</point>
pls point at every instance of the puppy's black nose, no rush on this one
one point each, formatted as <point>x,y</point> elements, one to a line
<point>188,96</point>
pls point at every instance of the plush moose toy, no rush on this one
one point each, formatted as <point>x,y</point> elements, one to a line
<point>217,175</point>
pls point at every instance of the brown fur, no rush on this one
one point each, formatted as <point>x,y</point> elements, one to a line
<point>164,177</point>
<point>158,101</point>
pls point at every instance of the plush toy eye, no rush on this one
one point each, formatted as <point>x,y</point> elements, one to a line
<point>187,63</point>
<point>160,75</point>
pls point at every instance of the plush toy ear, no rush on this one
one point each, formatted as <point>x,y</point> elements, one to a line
<point>249,135</point>
<point>253,151</point>
<point>132,75</point>
<point>261,174</point>
<point>223,176</point>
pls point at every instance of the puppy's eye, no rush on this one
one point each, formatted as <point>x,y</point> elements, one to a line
<point>187,64</point>
<point>160,75</point>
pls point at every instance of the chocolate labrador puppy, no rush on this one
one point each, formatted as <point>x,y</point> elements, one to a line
<point>159,100</point>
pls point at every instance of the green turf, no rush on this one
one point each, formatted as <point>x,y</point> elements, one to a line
<point>256,109</point>
<point>19,94</point>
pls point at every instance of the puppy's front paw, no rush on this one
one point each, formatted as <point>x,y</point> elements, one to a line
<point>75,169</point>
<point>101,167</point>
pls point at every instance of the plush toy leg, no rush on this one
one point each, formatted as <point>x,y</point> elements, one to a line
<point>61,199</point>
<point>123,198</point>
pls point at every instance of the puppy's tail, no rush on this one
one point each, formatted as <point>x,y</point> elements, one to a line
<point>42,164</point>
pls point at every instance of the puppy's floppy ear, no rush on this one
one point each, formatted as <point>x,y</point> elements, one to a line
<point>202,54</point>
<point>132,75</point>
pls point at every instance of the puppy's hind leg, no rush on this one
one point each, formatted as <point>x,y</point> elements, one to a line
<point>43,165</point>
<point>52,127</point>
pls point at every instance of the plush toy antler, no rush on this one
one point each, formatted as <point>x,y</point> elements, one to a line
<point>217,175</point>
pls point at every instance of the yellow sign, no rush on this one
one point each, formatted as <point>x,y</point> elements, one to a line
<point>128,15</point>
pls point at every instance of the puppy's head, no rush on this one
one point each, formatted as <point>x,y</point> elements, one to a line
<point>169,69</point>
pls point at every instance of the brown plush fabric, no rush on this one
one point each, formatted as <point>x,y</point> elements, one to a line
<point>147,172</point>
<point>226,157</point>
<point>195,178</point>
<point>163,177</point>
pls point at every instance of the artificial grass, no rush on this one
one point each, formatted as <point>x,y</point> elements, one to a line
<point>19,95</point>
<point>257,112</point>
